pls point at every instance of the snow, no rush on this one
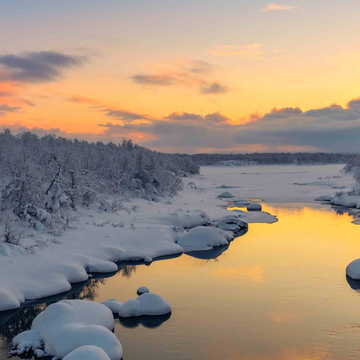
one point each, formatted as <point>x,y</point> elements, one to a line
<point>154,229</point>
<point>353,269</point>
<point>254,207</point>
<point>87,352</point>
<point>204,238</point>
<point>68,325</point>
<point>113,305</point>
<point>142,290</point>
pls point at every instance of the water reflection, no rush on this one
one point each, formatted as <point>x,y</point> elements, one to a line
<point>277,293</point>
<point>209,254</point>
<point>150,322</point>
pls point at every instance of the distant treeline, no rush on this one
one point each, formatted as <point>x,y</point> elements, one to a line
<point>271,158</point>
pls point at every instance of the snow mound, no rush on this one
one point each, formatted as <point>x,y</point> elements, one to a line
<point>142,290</point>
<point>185,219</point>
<point>226,194</point>
<point>148,259</point>
<point>353,270</point>
<point>204,238</point>
<point>87,352</point>
<point>148,304</point>
<point>113,305</point>
<point>231,223</point>
<point>324,198</point>
<point>68,325</point>
<point>254,207</point>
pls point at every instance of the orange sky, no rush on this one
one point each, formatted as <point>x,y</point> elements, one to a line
<point>138,62</point>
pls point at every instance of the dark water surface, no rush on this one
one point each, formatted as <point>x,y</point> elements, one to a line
<point>278,292</point>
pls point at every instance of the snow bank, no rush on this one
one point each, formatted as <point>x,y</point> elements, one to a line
<point>68,325</point>
<point>204,238</point>
<point>324,198</point>
<point>254,207</point>
<point>147,304</point>
<point>231,223</point>
<point>346,200</point>
<point>353,270</point>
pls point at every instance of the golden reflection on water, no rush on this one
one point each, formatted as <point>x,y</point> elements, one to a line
<point>279,292</point>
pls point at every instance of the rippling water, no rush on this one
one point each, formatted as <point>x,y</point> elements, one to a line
<point>277,292</point>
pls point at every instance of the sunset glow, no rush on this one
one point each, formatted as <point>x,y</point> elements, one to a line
<point>104,71</point>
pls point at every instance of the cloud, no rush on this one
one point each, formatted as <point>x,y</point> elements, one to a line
<point>6,94</point>
<point>216,118</point>
<point>37,67</point>
<point>251,51</point>
<point>275,6</point>
<point>198,67</point>
<point>191,73</point>
<point>184,116</point>
<point>83,100</point>
<point>214,89</point>
<point>5,109</point>
<point>124,115</point>
<point>159,80</point>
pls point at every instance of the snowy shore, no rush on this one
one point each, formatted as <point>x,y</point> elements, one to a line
<point>45,265</point>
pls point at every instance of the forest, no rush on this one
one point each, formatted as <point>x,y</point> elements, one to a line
<point>45,179</point>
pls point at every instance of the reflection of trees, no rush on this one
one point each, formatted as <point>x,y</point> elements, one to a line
<point>127,270</point>
<point>22,319</point>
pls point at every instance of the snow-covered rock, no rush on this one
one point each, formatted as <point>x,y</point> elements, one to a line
<point>204,238</point>
<point>87,352</point>
<point>231,223</point>
<point>324,198</point>
<point>226,194</point>
<point>68,325</point>
<point>147,304</point>
<point>346,200</point>
<point>240,203</point>
<point>254,207</point>
<point>148,260</point>
<point>353,270</point>
<point>142,290</point>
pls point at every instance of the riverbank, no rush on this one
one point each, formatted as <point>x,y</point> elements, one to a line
<point>46,265</point>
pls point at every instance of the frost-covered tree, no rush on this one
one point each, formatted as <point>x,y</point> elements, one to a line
<point>45,178</point>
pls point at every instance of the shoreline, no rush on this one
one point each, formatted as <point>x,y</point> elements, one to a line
<point>150,231</point>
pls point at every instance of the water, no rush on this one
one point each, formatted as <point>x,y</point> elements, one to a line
<point>278,292</point>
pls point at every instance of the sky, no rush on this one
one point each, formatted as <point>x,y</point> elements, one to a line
<point>184,76</point>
